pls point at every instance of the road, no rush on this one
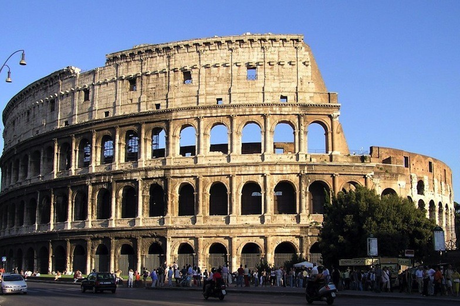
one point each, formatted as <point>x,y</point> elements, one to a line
<point>56,294</point>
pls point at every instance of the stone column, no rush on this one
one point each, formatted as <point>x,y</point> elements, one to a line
<point>116,149</point>
<point>89,196</point>
<point>140,203</point>
<point>74,155</point>
<point>142,146</point>
<point>112,254</point>
<point>52,217</point>
<point>50,257</point>
<point>70,206</point>
<point>95,147</point>
<point>300,138</point>
<point>199,200</point>
<point>139,253</point>
<point>114,213</point>
<point>266,200</point>
<point>234,211</point>
<point>333,138</point>
<point>69,256</point>
<point>89,256</point>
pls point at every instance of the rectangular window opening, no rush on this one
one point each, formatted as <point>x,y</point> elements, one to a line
<point>157,105</point>
<point>52,105</point>
<point>187,77</point>
<point>86,94</point>
<point>251,74</point>
<point>219,101</point>
<point>106,114</point>
<point>132,84</point>
<point>406,162</point>
<point>279,150</point>
<point>66,123</point>
<point>430,166</point>
<point>283,98</point>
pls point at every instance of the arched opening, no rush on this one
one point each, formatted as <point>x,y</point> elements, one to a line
<point>185,256</point>
<point>29,260</point>
<point>84,153</point>
<point>20,214</point>
<point>187,141</point>
<point>318,192</point>
<point>126,260</point>
<point>31,212</point>
<point>60,207</point>
<point>104,207</point>
<point>59,256</point>
<point>155,256</point>
<point>65,157</point>
<point>107,146</point>
<point>421,205</point>
<point>217,255</point>
<point>440,215</point>
<point>315,253</point>
<point>158,143</point>
<point>432,211</point>
<point>316,139</point>
<point>101,259</point>
<point>349,186</point>
<point>43,260</point>
<point>285,198</point>
<point>79,259</point>
<point>45,210</point>
<point>420,187</point>
<point>284,252</point>
<point>80,206</point>
<point>218,200</point>
<point>132,146</point>
<point>129,202</point>
<point>251,199</point>
<point>157,206</point>
<point>18,260</point>
<point>24,167</point>
<point>35,163</point>
<point>186,200</point>
<point>219,139</point>
<point>48,160</point>
<point>283,138</point>
<point>251,139</point>
<point>388,192</point>
<point>250,255</point>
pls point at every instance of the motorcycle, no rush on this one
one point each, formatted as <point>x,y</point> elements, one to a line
<point>320,291</point>
<point>215,289</point>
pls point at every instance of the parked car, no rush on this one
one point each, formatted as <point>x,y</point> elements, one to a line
<point>13,283</point>
<point>98,282</point>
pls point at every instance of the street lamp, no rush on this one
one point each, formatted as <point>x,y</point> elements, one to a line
<point>22,62</point>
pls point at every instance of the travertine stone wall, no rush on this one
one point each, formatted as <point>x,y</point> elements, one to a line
<point>82,172</point>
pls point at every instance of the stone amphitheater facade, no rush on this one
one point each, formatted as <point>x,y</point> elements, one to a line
<point>97,171</point>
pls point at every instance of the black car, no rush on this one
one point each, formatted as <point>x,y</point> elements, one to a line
<point>99,281</point>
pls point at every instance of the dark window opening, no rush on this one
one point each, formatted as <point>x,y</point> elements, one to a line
<point>430,167</point>
<point>283,98</point>
<point>52,105</point>
<point>106,114</point>
<point>406,162</point>
<point>108,150</point>
<point>157,106</point>
<point>132,148</point>
<point>86,94</point>
<point>132,84</point>
<point>251,74</point>
<point>219,101</point>
<point>66,123</point>
<point>187,77</point>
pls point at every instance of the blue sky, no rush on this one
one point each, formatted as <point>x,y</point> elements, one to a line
<point>394,64</point>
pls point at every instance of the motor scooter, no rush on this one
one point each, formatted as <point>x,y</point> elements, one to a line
<point>215,289</point>
<point>320,291</point>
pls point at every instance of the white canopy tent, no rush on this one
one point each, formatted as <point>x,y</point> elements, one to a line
<point>305,264</point>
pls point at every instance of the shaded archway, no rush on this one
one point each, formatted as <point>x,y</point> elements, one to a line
<point>79,259</point>
<point>251,199</point>
<point>126,259</point>
<point>315,253</point>
<point>80,206</point>
<point>101,259</point>
<point>250,255</point>
<point>185,255</point>
<point>103,205</point>
<point>29,260</point>
<point>217,255</point>
<point>129,202</point>
<point>155,256</point>
<point>318,192</point>
<point>43,261</point>
<point>218,200</point>
<point>186,200</point>
<point>157,206</point>
<point>388,191</point>
<point>59,256</point>
<point>285,198</point>
<point>284,252</point>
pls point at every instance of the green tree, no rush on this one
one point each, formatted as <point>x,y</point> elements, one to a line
<point>351,217</point>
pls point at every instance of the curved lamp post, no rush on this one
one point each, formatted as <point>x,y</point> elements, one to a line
<point>22,62</point>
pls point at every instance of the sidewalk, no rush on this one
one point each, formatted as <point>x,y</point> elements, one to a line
<point>284,291</point>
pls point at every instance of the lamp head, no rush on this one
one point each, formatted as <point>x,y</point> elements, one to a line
<point>23,59</point>
<point>8,78</point>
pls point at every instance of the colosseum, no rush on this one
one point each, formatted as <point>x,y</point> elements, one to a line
<point>196,152</point>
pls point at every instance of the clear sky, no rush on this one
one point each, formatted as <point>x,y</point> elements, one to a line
<point>394,64</point>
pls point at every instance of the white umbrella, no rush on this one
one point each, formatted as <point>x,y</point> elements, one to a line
<point>305,264</point>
